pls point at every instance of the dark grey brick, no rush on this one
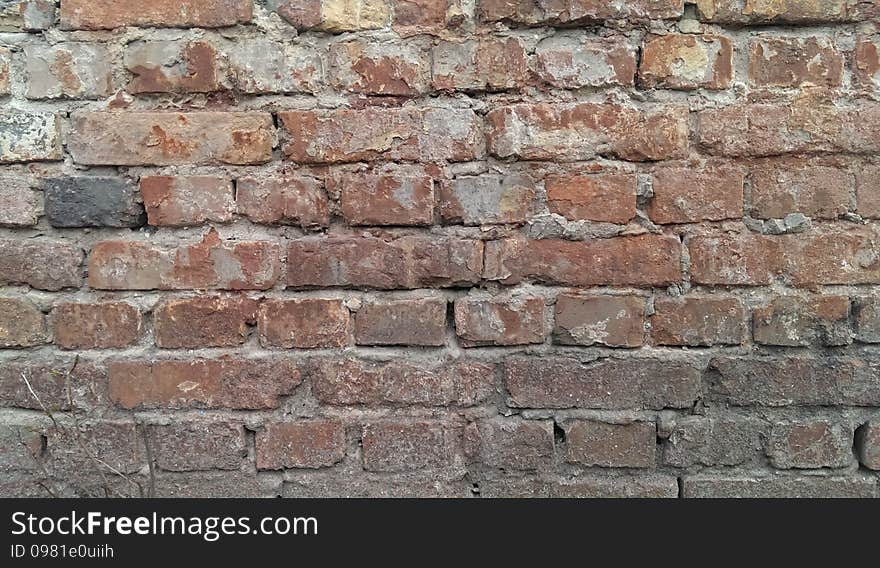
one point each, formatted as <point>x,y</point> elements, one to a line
<point>92,202</point>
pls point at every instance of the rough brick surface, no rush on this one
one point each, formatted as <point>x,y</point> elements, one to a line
<point>440,248</point>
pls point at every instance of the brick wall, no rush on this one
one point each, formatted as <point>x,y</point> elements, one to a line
<point>440,248</point>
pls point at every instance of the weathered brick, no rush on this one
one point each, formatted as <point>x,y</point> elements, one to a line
<point>687,61</point>
<point>29,136</point>
<point>810,444</point>
<point>359,486</point>
<point>868,445</point>
<point>646,260</point>
<point>41,264</point>
<point>401,322</point>
<point>609,198</point>
<point>563,382</point>
<point>304,444</point>
<point>285,198</point>
<point>488,63</point>
<point>117,445</point>
<point>367,262</point>
<point>169,138</point>
<point>198,445</point>
<point>774,11</point>
<point>21,323</point>
<point>791,321</point>
<point>213,484</point>
<point>247,384</point>
<point>191,323</point>
<point>574,61</point>
<point>19,206</point>
<point>607,485</point>
<point>393,195</point>
<point>769,487</point>
<point>68,70</point>
<point>613,321</point>
<point>866,63</point>
<point>691,195</point>
<point>21,446</point>
<point>92,202</point>
<point>723,441</point>
<point>5,61</point>
<point>499,321</point>
<point>334,15</point>
<point>109,14</point>
<point>510,443</point>
<point>553,11</point>
<point>105,325</point>
<point>821,257</point>
<point>211,263</point>
<point>807,126</point>
<point>396,134</point>
<point>794,380</point>
<point>698,321</point>
<point>487,199</point>
<point>306,323</point>
<point>350,382</point>
<point>588,442</point>
<point>868,191</point>
<point>59,383</point>
<point>866,313</point>
<point>259,66</point>
<point>407,446</point>
<point>399,69</point>
<point>781,187</point>
<point>792,62</point>
<point>37,15</point>
<point>583,131</point>
<point>184,201</point>
<point>172,67</point>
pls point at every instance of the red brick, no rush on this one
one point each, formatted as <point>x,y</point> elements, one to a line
<point>109,14</point>
<point>810,444</point>
<point>793,380</point>
<point>499,321</point>
<point>284,198</point>
<point>646,260</point>
<point>350,382</point>
<point>21,324</point>
<point>173,67</point>
<point>427,15</point>
<point>406,262</point>
<point>610,384</point>
<point>551,11</point>
<point>374,68</point>
<point>198,445</point>
<point>691,195</point>
<point>868,191</point>
<point>212,263</point>
<point>687,61</point>
<point>792,62</point>
<point>793,322</point>
<point>45,265</point>
<point>610,445</point>
<point>192,323</point>
<point>399,195</point>
<point>613,321</point>
<point>821,257</point>
<point>487,199</point>
<point>697,322</point>
<point>407,446</point>
<point>306,323</point>
<point>246,384</point>
<point>170,138</point>
<point>395,134</point>
<point>487,63</point>
<point>608,198</point>
<point>510,443</point>
<point>583,131</point>
<point>572,61</point>
<point>184,201</point>
<point>401,322</point>
<point>105,325</point>
<point>807,125</point>
<point>304,444</point>
<point>868,445</point>
<point>796,186</point>
<point>866,63</point>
